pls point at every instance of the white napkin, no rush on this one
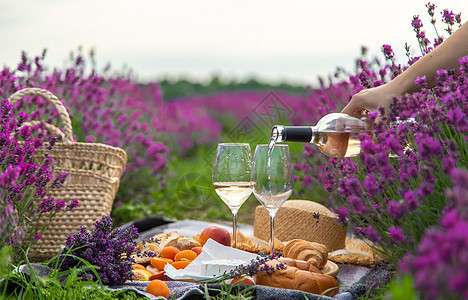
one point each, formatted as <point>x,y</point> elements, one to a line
<point>210,251</point>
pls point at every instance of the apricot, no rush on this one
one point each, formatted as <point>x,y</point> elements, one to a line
<point>160,262</point>
<point>169,252</point>
<point>161,275</point>
<point>242,280</point>
<point>197,250</point>
<point>138,266</point>
<point>181,264</point>
<point>141,275</point>
<point>187,254</point>
<point>219,234</point>
<point>158,288</point>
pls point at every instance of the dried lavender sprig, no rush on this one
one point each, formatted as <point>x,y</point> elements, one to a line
<point>256,265</point>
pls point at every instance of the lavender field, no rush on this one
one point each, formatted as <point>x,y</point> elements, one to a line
<point>412,207</point>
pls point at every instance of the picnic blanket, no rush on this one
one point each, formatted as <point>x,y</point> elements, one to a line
<point>354,281</point>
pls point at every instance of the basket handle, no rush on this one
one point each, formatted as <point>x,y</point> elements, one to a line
<point>63,114</point>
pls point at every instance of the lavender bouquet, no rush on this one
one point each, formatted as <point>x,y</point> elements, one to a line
<point>109,251</point>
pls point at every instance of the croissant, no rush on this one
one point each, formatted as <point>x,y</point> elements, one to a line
<point>298,277</point>
<point>314,253</point>
<point>300,264</point>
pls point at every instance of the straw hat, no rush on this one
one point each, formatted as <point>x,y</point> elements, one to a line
<point>302,219</point>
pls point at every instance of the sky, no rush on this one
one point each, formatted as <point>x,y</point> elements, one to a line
<point>293,41</point>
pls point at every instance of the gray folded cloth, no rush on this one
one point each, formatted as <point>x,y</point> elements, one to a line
<point>179,290</point>
<point>186,290</point>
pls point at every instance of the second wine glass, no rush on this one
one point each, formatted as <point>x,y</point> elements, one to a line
<point>232,178</point>
<point>273,178</point>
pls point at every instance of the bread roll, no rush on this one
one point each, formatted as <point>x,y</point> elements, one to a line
<point>298,277</point>
<point>175,239</point>
<point>314,253</point>
<point>183,243</point>
<point>140,254</point>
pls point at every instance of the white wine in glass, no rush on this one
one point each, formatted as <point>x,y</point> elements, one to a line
<point>232,178</point>
<point>273,177</point>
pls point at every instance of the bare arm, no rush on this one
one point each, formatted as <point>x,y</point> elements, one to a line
<point>446,55</point>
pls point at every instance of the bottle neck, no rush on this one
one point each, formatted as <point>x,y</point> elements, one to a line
<point>302,134</point>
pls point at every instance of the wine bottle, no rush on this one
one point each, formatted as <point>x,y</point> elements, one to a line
<point>336,134</point>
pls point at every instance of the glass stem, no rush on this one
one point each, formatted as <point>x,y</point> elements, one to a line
<point>272,231</point>
<point>234,228</point>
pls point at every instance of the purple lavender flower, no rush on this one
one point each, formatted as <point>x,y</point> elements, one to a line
<point>342,214</point>
<point>90,139</point>
<point>396,209</point>
<point>416,23</point>
<point>372,234</point>
<point>427,146</point>
<point>439,266</point>
<point>449,164</point>
<point>396,234</point>
<point>411,200</point>
<point>370,185</point>
<point>350,186</point>
<point>25,132</point>
<point>456,117</point>
<point>47,205</point>
<point>74,204</point>
<point>59,180</point>
<point>430,9</point>
<point>388,52</point>
<point>448,17</point>
<point>59,204</point>
<point>307,180</point>
<point>102,247</point>
<point>357,205</point>
<point>458,194</point>
<point>425,189</point>
<point>9,177</point>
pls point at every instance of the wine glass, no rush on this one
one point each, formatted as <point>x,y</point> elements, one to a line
<point>231,178</point>
<point>273,179</point>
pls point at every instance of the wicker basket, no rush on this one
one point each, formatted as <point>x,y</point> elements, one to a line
<point>94,172</point>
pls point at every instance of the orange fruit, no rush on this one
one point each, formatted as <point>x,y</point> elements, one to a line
<point>187,254</point>
<point>138,266</point>
<point>141,275</point>
<point>181,264</point>
<point>169,252</point>
<point>160,262</point>
<point>158,288</point>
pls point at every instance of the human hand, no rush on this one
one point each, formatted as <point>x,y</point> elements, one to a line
<point>369,100</point>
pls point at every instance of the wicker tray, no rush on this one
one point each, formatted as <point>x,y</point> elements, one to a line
<point>94,172</point>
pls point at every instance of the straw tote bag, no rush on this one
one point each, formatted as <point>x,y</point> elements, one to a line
<point>94,172</point>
